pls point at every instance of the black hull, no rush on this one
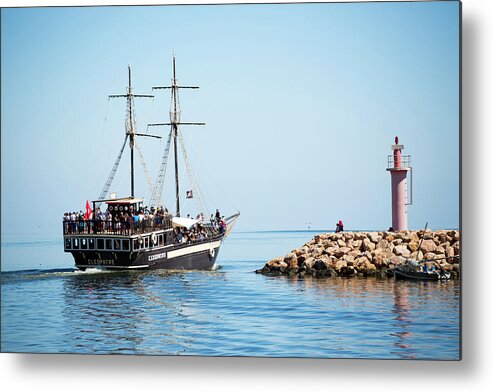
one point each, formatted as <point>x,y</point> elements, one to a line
<point>195,256</point>
<point>416,275</point>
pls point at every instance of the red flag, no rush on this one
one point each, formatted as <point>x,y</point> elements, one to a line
<point>88,214</point>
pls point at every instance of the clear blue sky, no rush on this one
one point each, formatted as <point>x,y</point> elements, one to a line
<point>301,101</point>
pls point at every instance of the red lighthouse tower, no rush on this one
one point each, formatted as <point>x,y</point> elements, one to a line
<point>398,165</point>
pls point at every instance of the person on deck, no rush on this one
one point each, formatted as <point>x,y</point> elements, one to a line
<point>81,222</point>
<point>128,223</point>
<point>222,225</point>
<point>136,221</point>
<point>66,223</point>
<point>72,220</point>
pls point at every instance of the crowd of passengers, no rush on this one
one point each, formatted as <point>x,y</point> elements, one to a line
<point>198,231</point>
<point>144,220</point>
<point>116,221</point>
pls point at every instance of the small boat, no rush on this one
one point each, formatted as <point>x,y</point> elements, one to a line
<point>129,233</point>
<point>418,270</point>
<point>402,273</point>
<point>413,270</point>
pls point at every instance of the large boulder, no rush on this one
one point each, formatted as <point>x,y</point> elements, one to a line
<point>348,271</point>
<point>349,258</point>
<point>389,236</point>
<point>381,260</point>
<point>440,250</point>
<point>355,253</point>
<point>355,244</point>
<point>302,251</point>
<point>265,270</point>
<point>365,266</point>
<point>289,257</point>
<point>427,234</point>
<point>413,245</point>
<point>456,247</point>
<point>317,251</point>
<point>373,236</point>
<point>367,245</point>
<point>407,236</point>
<point>415,237</point>
<point>340,265</point>
<point>330,250</point>
<point>294,263</point>
<point>402,250</point>
<point>274,263</point>
<point>341,251</point>
<point>419,255</point>
<point>362,261</point>
<point>308,263</point>
<point>428,246</point>
<point>397,260</point>
<point>333,262</point>
<point>359,236</point>
<point>430,256</point>
<point>442,237</point>
<point>382,244</point>
<point>320,265</point>
<point>449,252</point>
<point>330,244</point>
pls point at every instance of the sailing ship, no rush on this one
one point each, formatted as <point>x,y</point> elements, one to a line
<point>130,234</point>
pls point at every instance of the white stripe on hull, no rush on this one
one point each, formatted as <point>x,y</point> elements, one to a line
<point>193,249</point>
<point>112,266</point>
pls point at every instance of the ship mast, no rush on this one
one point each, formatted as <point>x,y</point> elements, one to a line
<point>174,115</point>
<point>174,121</point>
<point>130,125</point>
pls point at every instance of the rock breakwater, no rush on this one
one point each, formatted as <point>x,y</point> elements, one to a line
<point>368,253</point>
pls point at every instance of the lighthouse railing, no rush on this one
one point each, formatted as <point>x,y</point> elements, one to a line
<point>405,162</point>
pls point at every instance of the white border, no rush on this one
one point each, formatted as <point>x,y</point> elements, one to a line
<point>130,373</point>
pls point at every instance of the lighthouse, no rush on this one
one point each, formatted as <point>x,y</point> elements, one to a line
<point>398,165</point>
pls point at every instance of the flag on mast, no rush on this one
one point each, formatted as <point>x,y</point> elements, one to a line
<point>189,195</point>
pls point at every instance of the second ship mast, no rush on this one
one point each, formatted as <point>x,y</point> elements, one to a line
<point>174,115</point>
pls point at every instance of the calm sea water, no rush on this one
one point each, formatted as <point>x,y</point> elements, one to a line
<point>47,307</point>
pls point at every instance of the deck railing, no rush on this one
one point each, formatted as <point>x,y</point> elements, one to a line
<point>97,227</point>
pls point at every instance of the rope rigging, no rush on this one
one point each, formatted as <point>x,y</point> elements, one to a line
<point>158,188</point>
<point>144,166</point>
<point>107,185</point>
<point>197,194</point>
